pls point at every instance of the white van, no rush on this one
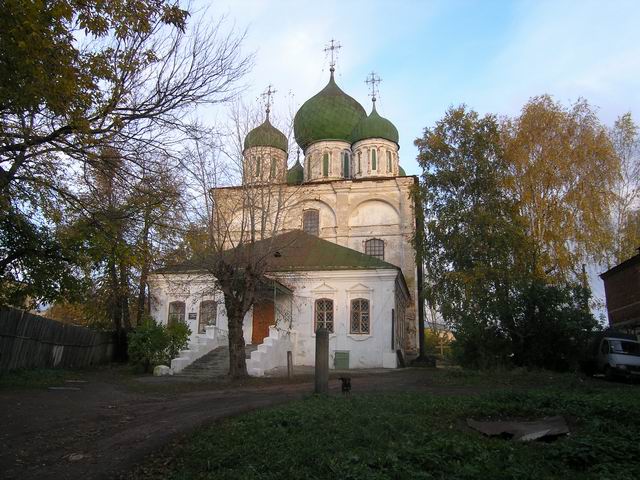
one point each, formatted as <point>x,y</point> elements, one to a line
<point>619,357</point>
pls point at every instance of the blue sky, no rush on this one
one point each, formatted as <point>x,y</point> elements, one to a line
<point>491,55</point>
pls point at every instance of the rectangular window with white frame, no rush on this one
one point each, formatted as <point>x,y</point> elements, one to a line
<point>360,317</point>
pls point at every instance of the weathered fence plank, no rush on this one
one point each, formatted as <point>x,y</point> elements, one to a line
<point>31,341</point>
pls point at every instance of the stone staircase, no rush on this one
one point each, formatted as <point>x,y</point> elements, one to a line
<point>272,352</point>
<point>199,345</point>
<point>213,364</point>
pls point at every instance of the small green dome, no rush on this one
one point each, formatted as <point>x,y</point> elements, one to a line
<point>329,115</point>
<point>375,126</point>
<point>401,171</point>
<point>295,175</point>
<point>266,135</point>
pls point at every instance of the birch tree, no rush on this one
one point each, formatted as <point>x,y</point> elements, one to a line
<point>625,211</point>
<point>564,169</point>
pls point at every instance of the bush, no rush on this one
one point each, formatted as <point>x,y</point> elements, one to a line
<point>152,344</point>
<point>178,338</point>
<point>545,326</point>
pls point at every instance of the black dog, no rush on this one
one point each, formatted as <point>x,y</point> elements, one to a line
<point>346,385</point>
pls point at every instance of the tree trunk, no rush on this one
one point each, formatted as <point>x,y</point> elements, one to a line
<point>144,272</point>
<point>114,304</point>
<point>237,360</point>
<point>123,294</point>
<point>142,294</point>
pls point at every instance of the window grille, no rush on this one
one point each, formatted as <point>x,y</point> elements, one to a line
<point>360,316</point>
<point>324,314</point>
<point>176,312</point>
<point>311,222</point>
<point>208,314</point>
<point>375,248</point>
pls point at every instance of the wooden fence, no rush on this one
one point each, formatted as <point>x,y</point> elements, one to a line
<point>31,341</point>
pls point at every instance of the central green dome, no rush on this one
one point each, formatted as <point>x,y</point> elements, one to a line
<point>329,115</point>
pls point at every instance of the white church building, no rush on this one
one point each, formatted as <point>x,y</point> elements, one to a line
<point>345,261</point>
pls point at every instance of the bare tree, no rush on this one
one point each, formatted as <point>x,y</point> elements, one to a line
<point>242,221</point>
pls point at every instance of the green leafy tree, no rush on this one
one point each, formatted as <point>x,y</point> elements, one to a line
<point>124,226</point>
<point>473,235</point>
<point>79,77</point>
<point>481,262</point>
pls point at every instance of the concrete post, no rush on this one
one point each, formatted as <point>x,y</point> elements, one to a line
<point>322,360</point>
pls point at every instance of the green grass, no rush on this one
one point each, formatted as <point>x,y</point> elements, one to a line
<point>415,435</point>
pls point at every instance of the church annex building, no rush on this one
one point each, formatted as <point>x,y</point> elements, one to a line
<point>345,261</point>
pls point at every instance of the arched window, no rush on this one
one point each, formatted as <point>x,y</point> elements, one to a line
<point>324,314</point>
<point>375,248</point>
<point>258,166</point>
<point>346,170</point>
<point>360,316</point>
<point>389,164</point>
<point>311,221</point>
<point>359,162</point>
<point>176,313</point>
<point>374,160</point>
<point>307,168</point>
<point>272,172</point>
<point>325,165</point>
<point>208,314</point>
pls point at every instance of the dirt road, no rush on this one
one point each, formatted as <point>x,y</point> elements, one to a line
<point>105,427</point>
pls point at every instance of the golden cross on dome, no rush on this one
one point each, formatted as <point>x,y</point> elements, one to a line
<point>373,80</point>
<point>267,98</point>
<point>333,46</point>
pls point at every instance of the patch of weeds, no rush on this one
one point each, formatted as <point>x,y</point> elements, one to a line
<point>413,435</point>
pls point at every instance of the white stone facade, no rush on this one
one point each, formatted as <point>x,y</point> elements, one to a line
<point>372,350</point>
<point>351,213</point>
<point>294,330</point>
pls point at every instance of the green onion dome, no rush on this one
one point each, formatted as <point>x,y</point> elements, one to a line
<point>266,135</point>
<point>375,126</point>
<point>295,175</point>
<point>401,171</point>
<point>329,115</point>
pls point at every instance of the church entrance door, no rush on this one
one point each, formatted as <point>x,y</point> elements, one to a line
<point>263,317</point>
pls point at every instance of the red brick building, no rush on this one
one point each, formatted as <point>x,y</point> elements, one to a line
<point>622,289</point>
